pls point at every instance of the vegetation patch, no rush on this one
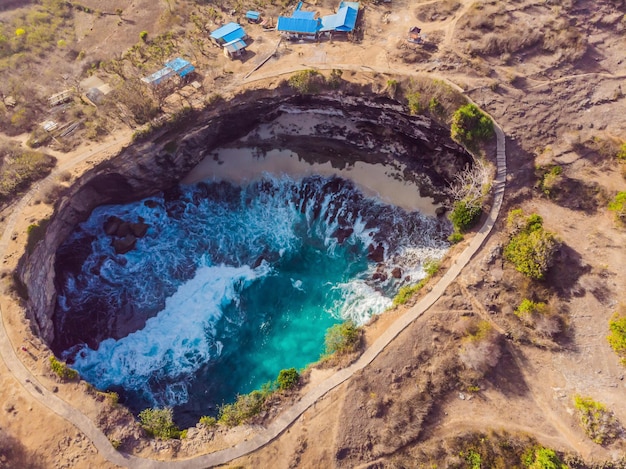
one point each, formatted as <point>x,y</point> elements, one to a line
<point>539,457</point>
<point>531,248</point>
<point>617,336</point>
<point>599,423</point>
<point>244,407</point>
<point>618,206</point>
<point>159,423</point>
<point>19,168</point>
<point>288,379</point>
<point>471,126</point>
<point>431,267</point>
<point>306,81</point>
<point>342,339</point>
<point>62,370</point>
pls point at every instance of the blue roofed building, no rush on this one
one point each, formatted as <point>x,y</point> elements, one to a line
<point>228,33</point>
<point>180,66</point>
<point>304,28</point>
<point>344,21</point>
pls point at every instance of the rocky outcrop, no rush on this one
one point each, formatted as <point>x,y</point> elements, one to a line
<point>150,166</point>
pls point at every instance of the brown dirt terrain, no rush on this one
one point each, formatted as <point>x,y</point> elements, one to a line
<point>552,74</point>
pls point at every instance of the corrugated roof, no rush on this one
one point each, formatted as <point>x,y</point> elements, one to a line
<point>235,45</point>
<point>159,76</point>
<point>253,15</point>
<point>305,15</point>
<point>344,20</point>
<point>225,30</point>
<point>298,25</point>
<point>181,66</point>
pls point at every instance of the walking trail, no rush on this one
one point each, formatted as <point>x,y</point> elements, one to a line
<point>284,420</point>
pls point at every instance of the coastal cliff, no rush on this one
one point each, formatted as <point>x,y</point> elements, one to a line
<point>385,134</point>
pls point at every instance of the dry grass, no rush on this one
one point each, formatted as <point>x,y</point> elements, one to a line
<point>19,168</point>
<point>438,11</point>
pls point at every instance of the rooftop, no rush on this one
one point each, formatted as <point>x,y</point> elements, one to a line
<point>298,25</point>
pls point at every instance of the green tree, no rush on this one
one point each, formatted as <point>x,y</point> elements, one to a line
<point>464,215</point>
<point>306,81</point>
<point>531,248</point>
<point>288,379</point>
<point>471,126</point>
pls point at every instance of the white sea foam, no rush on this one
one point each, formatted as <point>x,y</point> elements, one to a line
<point>174,344</point>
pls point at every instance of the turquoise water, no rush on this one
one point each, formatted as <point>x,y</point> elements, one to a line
<point>229,286</point>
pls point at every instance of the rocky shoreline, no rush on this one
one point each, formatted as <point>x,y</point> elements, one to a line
<point>385,135</point>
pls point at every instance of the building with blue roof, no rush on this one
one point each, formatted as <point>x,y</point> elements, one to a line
<point>299,27</point>
<point>228,33</point>
<point>178,66</point>
<point>344,21</point>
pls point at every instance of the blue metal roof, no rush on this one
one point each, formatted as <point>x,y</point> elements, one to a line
<point>344,20</point>
<point>158,77</point>
<point>305,15</point>
<point>235,45</point>
<point>180,66</point>
<point>253,15</point>
<point>228,32</point>
<point>298,25</point>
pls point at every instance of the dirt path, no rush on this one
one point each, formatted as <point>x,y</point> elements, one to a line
<point>283,421</point>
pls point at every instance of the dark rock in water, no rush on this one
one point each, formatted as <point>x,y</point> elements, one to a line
<point>380,276</point>
<point>439,211</point>
<point>376,253</point>
<point>111,225</point>
<point>267,257</point>
<point>396,273</point>
<point>125,244</point>
<point>342,234</point>
<point>151,203</point>
<point>139,229</point>
<point>123,230</point>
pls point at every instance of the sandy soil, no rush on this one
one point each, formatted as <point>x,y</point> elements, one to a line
<point>541,101</point>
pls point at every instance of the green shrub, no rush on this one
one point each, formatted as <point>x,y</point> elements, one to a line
<point>528,308</point>
<point>62,370</point>
<point>618,205</point>
<point>542,458</point>
<point>531,248</point>
<point>208,422</point>
<point>342,338</point>
<point>431,267</point>
<point>470,126</point>
<point>306,81</point>
<point>288,379</point>
<point>549,179</point>
<point>473,459</point>
<point>598,422</point>
<point>413,102</point>
<point>435,106</point>
<point>35,234</point>
<point>621,153</point>
<point>617,336</point>
<point>143,35</point>
<point>464,215</point>
<point>246,406</point>
<point>159,423</point>
<point>455,237</point>
<point>406,293</point>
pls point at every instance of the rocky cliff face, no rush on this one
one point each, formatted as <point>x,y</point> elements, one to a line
<point>150,166</point>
